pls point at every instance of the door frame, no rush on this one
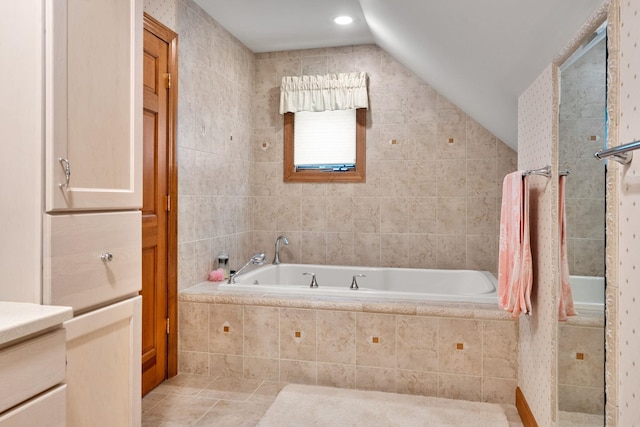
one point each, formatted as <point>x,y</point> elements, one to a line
<point>171,38</point>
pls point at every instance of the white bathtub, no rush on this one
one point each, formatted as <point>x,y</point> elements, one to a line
<point>588,293</point>
<point>391,283</point>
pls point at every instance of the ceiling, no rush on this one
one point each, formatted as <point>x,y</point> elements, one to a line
<point>481,55</point>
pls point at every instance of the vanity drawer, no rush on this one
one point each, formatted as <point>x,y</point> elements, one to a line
<point>46,410</point>
<point>31,367</point>
<point>91,259</point>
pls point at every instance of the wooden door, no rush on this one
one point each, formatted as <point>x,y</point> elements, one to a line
<point>93,104</point>
<point>157,239</point>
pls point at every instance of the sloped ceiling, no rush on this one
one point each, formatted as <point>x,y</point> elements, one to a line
<point>481,55</point>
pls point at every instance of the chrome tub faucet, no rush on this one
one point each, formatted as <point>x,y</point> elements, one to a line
<point>276,258</point>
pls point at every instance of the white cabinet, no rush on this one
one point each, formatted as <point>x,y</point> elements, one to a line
<point>103,366</point>
<point>94,104</point>
<point>31,367</point>
<point>45,410</point>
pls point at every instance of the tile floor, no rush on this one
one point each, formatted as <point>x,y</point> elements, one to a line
<point>195,400</point>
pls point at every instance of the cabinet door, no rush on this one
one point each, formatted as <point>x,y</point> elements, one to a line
<point>103,366</point>
<point>93,104</point>
<point>46,410</point>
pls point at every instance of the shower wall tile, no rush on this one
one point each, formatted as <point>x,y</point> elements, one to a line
<point>215,133</point>
<point>418,186</point>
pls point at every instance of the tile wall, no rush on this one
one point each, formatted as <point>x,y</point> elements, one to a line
<point>430,201</point>
<point>472,357</point>
<point>214,144</point>
<point>582,133</point>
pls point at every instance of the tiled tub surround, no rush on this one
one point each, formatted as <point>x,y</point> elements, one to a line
<point>453,350</point>
<point>431,200</point>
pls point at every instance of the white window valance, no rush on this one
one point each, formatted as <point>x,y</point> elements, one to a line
<point>345,91</point>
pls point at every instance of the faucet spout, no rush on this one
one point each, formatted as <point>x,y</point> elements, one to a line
<point>276,257</point>
<point>257,259</point>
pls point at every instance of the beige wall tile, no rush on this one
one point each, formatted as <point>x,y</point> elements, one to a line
<point>366,251</point>
<point>191,362</point>
<point>261,368</point>
<point>575,342</point>
<point>452,215</point>
<point>380,379</point>
<point>261,332</point>
<point>468,335</point>
<point>423,163</point>
<point>226,365</point>
<point>460,387</point>
<point>415,382</point>
<point>298,334</point>
<point>417,343</point>
<point>336,375</point>
<point>193,324</point>
<point>581,399</point>
<point>337,337</point>
<point>452,251</point>
<point>498,390</point>
<point>296,371</point>
<point>225,328</point>
<point>340,248</point>
<point>375,340</point>
<point>500,349</point>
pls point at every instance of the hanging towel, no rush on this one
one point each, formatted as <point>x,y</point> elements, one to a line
<point>565,300</point>
<point>515,271</point>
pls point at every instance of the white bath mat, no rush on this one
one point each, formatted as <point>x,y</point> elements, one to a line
<point>303,405</point>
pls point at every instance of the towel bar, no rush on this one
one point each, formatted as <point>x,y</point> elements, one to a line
<point>545,171</point>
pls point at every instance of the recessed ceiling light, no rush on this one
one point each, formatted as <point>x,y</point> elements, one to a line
<point>343,20</point>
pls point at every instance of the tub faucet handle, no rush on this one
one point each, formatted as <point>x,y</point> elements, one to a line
<point>354,282</point>
<point>314,282</point>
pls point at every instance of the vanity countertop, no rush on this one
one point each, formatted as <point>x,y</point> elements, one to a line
<point>19,319</point>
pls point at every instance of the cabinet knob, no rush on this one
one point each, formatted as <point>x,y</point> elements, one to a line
<point>106,257</point>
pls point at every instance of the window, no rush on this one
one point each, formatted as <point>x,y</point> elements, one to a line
<point>324,127</point>
<point>325,146</point>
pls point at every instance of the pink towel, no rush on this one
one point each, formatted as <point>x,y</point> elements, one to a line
<point>565,300</point>
<point>515,270</point>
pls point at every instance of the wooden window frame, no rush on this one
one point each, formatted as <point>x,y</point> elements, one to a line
<point>357,174</point>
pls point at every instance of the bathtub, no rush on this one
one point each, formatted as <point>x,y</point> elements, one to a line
<point>387,283</point>
<point>588,293</point>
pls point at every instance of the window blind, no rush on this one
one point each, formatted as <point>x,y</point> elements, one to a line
<point>325,138</point>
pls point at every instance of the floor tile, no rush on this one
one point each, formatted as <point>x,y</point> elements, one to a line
<point>231,389</point>
<point>228,413</point>
<point>186,384</point>
<point>178,409</point>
